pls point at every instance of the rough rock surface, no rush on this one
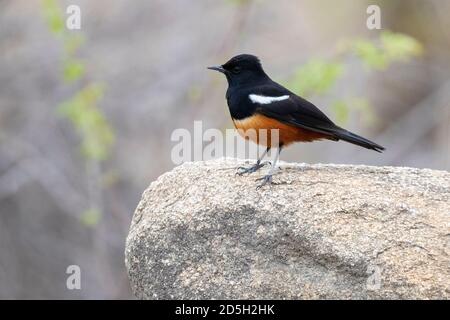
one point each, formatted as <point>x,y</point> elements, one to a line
<point>324,231</point>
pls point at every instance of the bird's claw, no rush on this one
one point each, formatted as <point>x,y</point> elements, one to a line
<point>265,180</point>
<point>254,168</point>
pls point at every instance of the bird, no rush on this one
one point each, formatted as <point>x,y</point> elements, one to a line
<point>257,102</point>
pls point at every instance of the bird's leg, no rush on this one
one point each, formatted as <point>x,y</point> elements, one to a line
<point>255,167</point>
<point>268,177</point>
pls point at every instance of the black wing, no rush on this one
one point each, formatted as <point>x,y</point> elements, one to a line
<point>301,113</point>
<point>294,111</point>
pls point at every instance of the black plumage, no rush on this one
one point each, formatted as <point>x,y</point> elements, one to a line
<point>256,100</point>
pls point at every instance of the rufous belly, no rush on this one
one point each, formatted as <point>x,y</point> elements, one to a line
<point>259,129</point>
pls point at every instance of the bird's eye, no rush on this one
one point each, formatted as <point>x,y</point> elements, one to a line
<point>236,69</point>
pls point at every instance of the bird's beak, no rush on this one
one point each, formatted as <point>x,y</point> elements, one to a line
<point>217,68</point>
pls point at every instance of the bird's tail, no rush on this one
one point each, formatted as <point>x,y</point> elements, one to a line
<point>348,136</point>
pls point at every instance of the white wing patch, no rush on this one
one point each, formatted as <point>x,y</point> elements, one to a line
<point>255,98</point>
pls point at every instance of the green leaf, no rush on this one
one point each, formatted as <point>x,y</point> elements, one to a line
<point>73,70</point>
<point>53,15</point>
<point>371,55</point>
<point>399,46</point>
<point>341,112</point>
<point>315,77</point>
<point>343,108</point>
<point>91,217</point>
<point>81,110</point>
<point>389,48</point>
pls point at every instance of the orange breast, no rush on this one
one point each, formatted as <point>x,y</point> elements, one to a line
<point>259,129</point>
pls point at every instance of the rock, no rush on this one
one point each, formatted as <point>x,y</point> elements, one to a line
<point>324,231</point>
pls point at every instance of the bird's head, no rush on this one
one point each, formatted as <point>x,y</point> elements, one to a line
<point>242,69</point>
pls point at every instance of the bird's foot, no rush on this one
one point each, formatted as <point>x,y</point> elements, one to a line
<point>267,179</point>
<point>254,168</point>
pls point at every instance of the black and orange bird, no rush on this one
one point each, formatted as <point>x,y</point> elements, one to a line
<point>257,102</point>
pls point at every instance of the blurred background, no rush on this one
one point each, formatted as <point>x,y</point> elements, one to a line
<point>86,115</point>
